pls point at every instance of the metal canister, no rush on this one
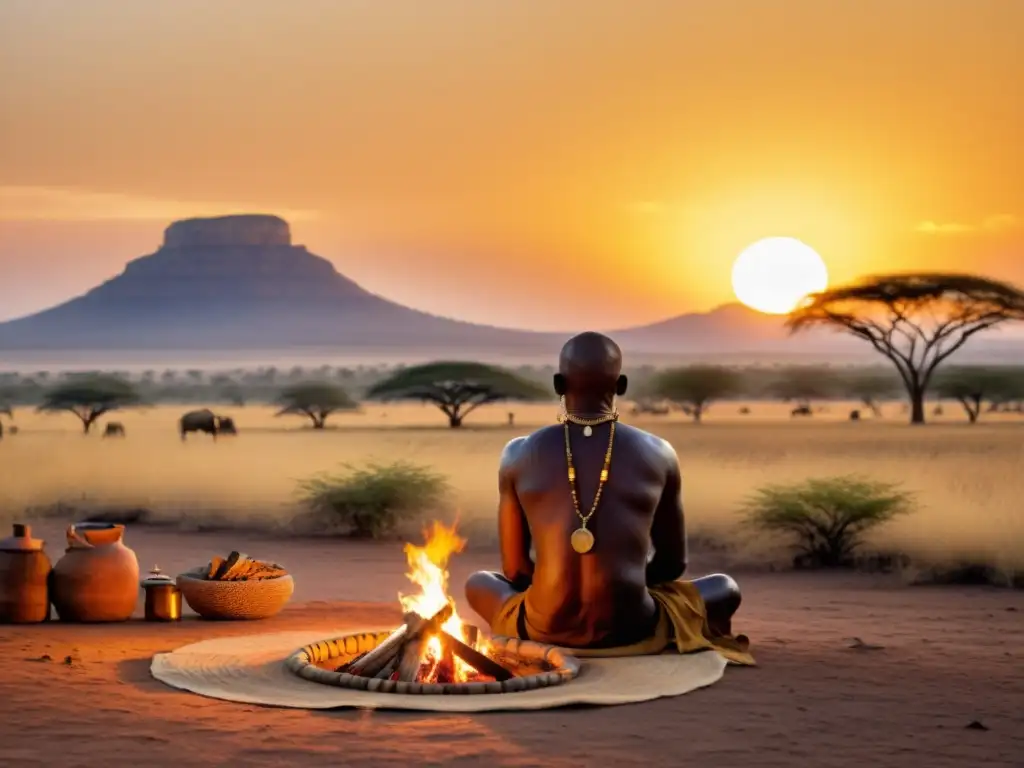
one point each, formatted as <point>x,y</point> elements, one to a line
<point>163,598</point>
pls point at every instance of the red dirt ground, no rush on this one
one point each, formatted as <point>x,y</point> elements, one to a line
<point>948,657</point>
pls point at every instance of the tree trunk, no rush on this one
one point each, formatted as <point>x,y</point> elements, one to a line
<point>454,420</point>
<point>916,405</point>
<point>698,411</point>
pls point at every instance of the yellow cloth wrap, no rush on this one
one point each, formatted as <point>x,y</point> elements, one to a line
<point>682,622</point>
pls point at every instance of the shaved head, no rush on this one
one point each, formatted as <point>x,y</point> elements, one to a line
<point>590,364</point>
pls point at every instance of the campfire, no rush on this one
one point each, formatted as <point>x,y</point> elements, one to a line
<point>433,644</point>
<point>433,651</point>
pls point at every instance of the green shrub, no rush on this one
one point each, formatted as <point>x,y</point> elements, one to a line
<point>826,518</point>
<point>370,502</point>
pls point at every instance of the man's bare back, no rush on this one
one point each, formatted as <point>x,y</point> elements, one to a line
<point>599,598</point>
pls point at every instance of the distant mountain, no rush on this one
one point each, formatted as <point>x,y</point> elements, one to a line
<point>238,283</point>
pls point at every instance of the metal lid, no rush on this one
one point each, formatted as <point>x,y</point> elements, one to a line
<point>157,578</point>
<point>21,541</point>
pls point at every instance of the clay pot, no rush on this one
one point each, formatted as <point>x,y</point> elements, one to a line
<point>24,575</point>
<point>97,580</point>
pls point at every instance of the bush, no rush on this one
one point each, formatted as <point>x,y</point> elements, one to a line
<point>826,517</point>
<point>371,502</point>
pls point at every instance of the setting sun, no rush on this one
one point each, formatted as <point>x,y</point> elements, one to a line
<point>774,274</point>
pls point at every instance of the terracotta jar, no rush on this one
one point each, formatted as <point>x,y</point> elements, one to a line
<point>98,577</point>
<point>24,575</point>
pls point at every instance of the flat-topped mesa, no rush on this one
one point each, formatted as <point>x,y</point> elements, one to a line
<point>243,229</point>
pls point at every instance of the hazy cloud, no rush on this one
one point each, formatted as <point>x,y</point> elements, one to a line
<point>59,204</point>
<point>996,223</point>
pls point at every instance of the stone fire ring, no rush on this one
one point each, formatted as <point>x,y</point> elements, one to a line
<point>303,663</point>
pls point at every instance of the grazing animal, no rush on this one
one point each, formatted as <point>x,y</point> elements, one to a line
<point>802,410</point>
<point>198,421</point>
<point>114,429</point>
<point>206,421</point>
<point>854,415</point>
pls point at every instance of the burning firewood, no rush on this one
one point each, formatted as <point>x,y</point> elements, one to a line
<point>372,662</point>
<point>409,666</point>
<point>482,663</point>
<point>389,669</point>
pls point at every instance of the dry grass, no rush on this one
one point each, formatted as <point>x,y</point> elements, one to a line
<point>968,478</point>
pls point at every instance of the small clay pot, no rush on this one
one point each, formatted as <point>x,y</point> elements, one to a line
<point>24,579</point>
<point>97,580</point>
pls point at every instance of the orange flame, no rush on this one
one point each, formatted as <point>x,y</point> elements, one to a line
<point>428,569</point>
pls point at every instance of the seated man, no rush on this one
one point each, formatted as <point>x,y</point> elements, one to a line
<point>593,497</point>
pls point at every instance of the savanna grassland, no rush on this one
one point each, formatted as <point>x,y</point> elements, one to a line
<point>967,479</point>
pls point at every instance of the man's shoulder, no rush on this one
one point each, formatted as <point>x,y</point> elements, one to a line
<point>648,440</point>
<point>518,449</point>
<point>657,452</point>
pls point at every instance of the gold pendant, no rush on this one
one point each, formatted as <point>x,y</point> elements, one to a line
<point>588,431</point>
<point>582,540</point>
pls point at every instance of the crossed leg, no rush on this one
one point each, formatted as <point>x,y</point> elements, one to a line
<point>487,591</point>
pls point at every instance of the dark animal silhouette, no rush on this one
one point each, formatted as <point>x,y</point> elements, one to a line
<point>854,415</point>
<point>206,421</point>
<point>114,429</point>
<point>802,410</point>
<point>655,409</point>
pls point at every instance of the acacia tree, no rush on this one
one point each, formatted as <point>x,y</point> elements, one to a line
<point>973,386</point>
<point>90,396</point>
<point>695,387</point>
<point>870,388</point>
<point>315,399</point>
<point>457,388</point>
<point>916,320</point>
<point>803,384</point>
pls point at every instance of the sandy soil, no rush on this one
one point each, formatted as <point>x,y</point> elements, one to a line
<point>947,657</point>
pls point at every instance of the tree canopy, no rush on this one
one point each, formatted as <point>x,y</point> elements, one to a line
<point>804,383</point>
<point>915,320</point>
<point>316,400</point>
<point>457,388</point>
<point>696,386</point>
<point>89,396</point>
<point>973,386</point>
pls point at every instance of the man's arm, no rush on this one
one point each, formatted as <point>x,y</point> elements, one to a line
<point>668,530</point>
<point>513,532</point>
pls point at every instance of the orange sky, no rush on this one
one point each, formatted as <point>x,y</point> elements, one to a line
<point>530,163</point>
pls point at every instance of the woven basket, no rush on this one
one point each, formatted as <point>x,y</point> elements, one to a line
<point>234,600</point>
